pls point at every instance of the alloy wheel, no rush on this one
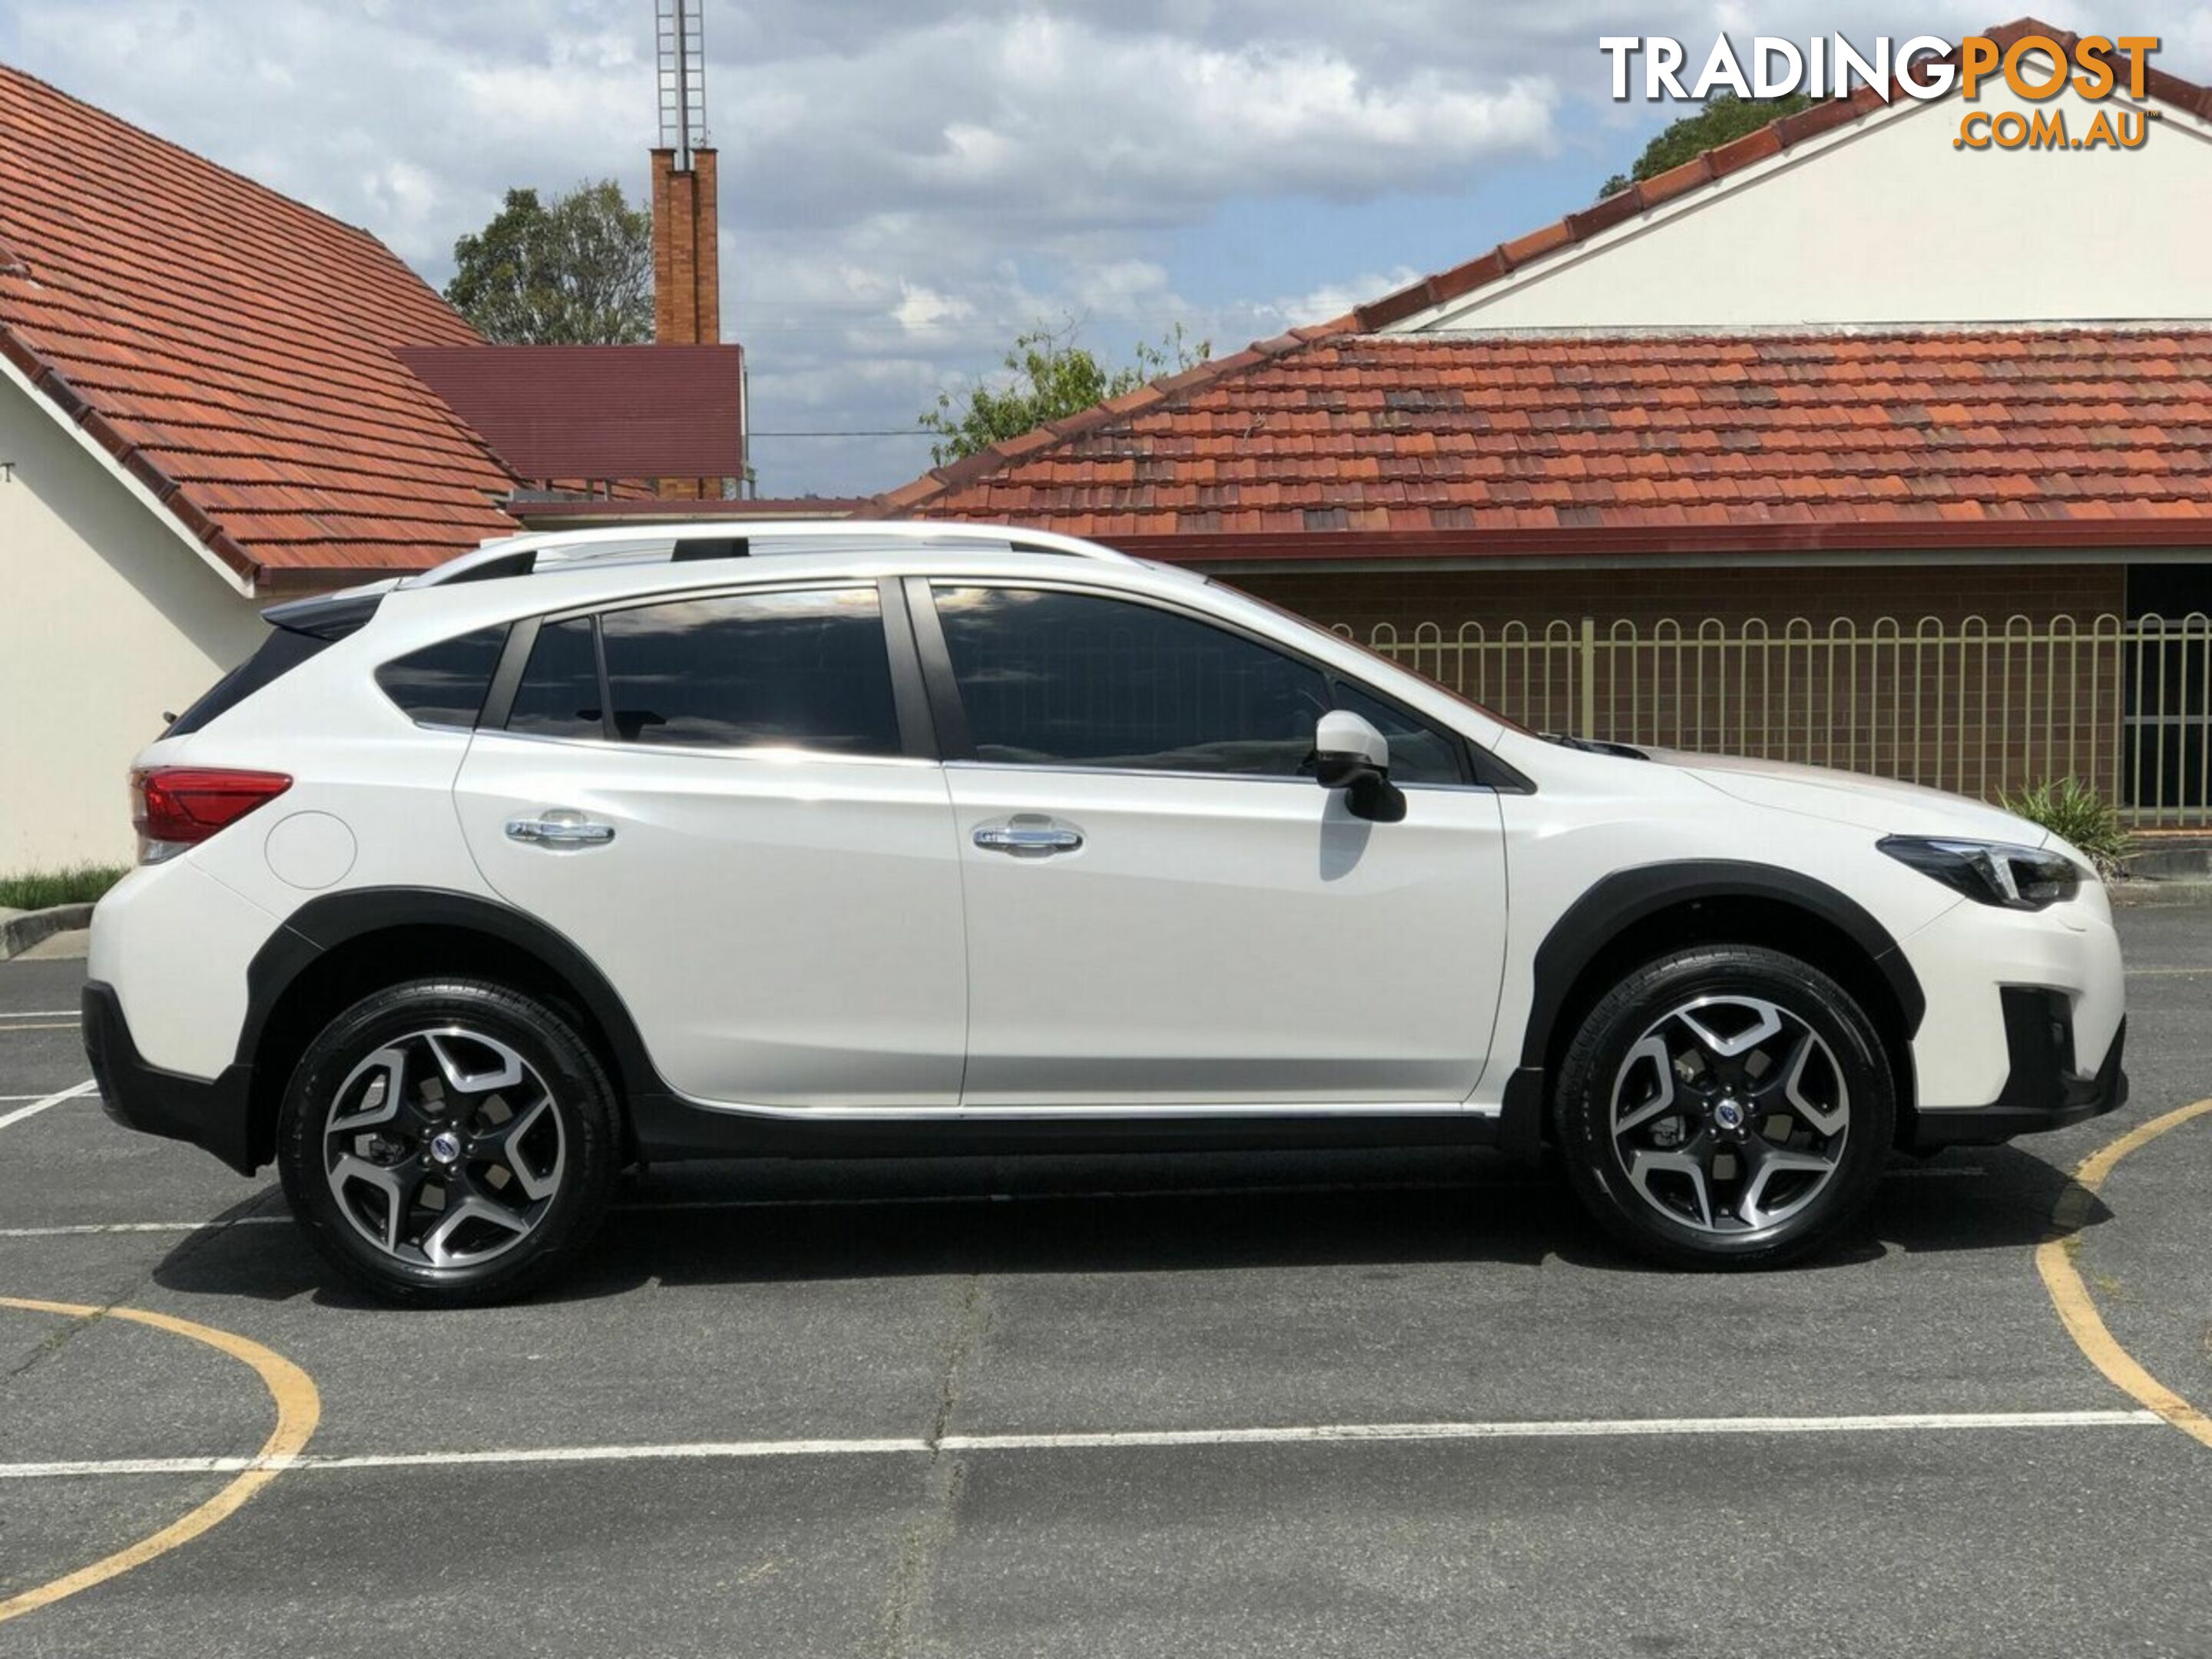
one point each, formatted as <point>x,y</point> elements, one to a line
<point>444,1148</point>
<point>1729,1114</point>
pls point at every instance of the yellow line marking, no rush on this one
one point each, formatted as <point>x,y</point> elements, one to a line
<point>298,1409</point>
<point>2054,1260</point>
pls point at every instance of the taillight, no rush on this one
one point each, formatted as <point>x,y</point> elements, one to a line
<point>175,807</point>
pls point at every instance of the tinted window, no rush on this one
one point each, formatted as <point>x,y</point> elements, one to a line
<point>1069,678</point>
<point>1419,753</point>
<point>804,670</point>
<point>444,684</point>
<point>280,653</point>
<point>559,695</point>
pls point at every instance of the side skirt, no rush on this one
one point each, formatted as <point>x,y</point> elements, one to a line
<point>670,1129</point>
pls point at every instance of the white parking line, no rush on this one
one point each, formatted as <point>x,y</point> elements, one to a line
<point>89,1228</point>
<point>1110,1440</point>
<point>1542,1429</point>
<point>42,1013</point>
<point>41,1104</point>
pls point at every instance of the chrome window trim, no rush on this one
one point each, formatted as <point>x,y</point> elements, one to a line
<point>1297,778</point>
<point>759,754</point>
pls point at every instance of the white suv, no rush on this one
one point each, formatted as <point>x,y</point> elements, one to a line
<point>583,851</point>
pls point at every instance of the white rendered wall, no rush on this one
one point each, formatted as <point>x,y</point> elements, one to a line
<point>107,619</point>
<point>1884,223</point>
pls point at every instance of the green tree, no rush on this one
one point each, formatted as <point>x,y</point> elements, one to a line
<point>1048,378</point>
<point>1723,116</point>
<point>576,273</point>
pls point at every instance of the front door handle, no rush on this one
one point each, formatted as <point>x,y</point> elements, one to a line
<point>560,828</point>
<point>1028,838</point>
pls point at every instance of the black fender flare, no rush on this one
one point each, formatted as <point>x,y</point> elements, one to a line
<point>322,925</point>
<point>1620,900</point>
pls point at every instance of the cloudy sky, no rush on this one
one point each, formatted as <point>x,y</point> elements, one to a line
<point>906,184</point>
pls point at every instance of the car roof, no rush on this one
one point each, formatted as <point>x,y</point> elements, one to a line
<point>486,600</point>
<point>642,563</point>
<point>710,540</point>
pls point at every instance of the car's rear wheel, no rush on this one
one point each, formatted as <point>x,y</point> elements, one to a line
<point>448,1142</point>
<point>1725,1106</point>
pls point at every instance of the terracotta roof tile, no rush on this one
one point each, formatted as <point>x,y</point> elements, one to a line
<point>193,320</point>
<point>1523,437</point>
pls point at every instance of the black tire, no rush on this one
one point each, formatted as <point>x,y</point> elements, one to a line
<point>469,1051</point>
<point>1686,1219</point>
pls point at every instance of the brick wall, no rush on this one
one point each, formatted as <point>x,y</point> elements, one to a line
<point>1938,698</point>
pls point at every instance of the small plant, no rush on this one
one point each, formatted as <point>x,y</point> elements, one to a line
<point>2075,812</point>
<point>74,883</point>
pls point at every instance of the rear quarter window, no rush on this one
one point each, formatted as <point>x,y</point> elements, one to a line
<point>444,684</point>
<point>278,655</point>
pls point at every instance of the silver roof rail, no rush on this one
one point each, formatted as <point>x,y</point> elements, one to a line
<point>546,551</point>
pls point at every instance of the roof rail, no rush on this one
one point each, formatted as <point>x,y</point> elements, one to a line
<point>550,550</point>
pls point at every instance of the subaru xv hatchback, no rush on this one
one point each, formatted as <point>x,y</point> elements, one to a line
<point>469,889</point>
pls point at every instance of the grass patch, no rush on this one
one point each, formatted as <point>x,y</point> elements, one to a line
<point>2072,811</point>
<point>75,883</point>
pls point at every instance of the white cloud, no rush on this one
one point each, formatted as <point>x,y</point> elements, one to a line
<point>922,308</point>
<point>906,184</point>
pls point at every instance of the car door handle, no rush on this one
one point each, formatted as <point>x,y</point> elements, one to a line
<point>1028,841</point>
<point>560,829</point>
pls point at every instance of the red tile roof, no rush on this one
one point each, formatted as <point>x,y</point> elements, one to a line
<point>1511,444</point>
<point>1405,444</point>
<point>233,347</point>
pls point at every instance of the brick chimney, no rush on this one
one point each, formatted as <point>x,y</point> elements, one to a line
<point>687,274</point>
<point>686,293</point>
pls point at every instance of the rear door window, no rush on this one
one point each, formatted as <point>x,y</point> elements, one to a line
<point>804,669</point>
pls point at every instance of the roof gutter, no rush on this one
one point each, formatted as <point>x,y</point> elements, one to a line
<point>1930,539</point>
<point>130,466</point>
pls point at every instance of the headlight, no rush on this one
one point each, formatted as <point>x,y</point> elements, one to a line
<point>1990,871</point>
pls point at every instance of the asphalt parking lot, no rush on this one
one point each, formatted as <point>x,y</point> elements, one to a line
<point>1112,1405</point>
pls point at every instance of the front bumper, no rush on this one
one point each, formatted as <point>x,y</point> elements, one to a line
<point>216,1114</point>
<point>2042,1090</point>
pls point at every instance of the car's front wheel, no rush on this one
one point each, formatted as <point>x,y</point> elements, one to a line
<point>1725,1106</point>
<point>448,1142</point>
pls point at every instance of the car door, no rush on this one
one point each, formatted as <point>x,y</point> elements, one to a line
<point>1165,910</point>
<point>721,801</point>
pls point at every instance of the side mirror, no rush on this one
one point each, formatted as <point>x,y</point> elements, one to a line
<point>1351,755</point>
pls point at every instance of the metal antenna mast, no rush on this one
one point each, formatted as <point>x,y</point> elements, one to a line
<point>680,38</point>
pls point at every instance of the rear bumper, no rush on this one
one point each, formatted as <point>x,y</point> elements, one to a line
<point>2042,1090</point>
<point>214,1114</point>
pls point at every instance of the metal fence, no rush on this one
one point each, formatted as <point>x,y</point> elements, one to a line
<point>1980,707</point>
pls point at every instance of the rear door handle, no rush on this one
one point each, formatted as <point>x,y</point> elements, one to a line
<point>1027,837</point>
<point>560,828</point>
